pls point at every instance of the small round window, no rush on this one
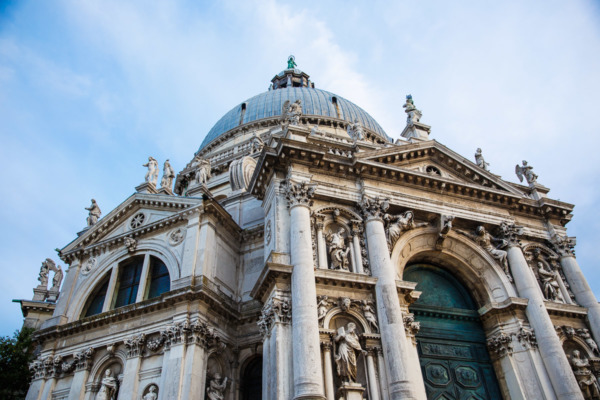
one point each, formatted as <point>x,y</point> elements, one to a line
<point>137,221</point>
<point>433,170</point>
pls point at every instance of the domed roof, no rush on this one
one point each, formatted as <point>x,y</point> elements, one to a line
<point>314,102</point>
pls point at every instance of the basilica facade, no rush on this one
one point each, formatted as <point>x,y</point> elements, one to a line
<point>304,254</point>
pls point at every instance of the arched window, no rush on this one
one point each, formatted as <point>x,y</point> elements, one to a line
<point>132,280</point>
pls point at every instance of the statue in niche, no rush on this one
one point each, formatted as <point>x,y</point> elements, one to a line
<point>413,115</point>
<point>527,172</point>
<point>549,283</point>
<point>108,389</point>
<point>355,130</point>
<point>346,357</point>
<point>480,161</point>
<point>369,313</point>
<point>152,174</point>
<point>338,250</point>
<point>151,395</point>
<point>397,224</point>
<point>322,307</point>
<point>585,378</point>
<point>585,334</point>
<point>168,175</point>
<point>94,213</point>
<point>202,167</point>
<point>216,387</point>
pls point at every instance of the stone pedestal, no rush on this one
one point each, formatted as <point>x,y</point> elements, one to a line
<point>53,295</point>
<point>40,293</point>
<point>146,188</point>
<point>351,391</point>
<point>167,191</point>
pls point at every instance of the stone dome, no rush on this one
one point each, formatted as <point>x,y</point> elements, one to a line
<point>315,102</point>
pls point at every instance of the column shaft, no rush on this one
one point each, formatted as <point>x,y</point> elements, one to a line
<point>357,255</point>
<point>391,324</point>
<point>329,389</point>
<point>553,355</point>
<point>128,389</point>
<point>308,375</point>
<point>322,249</point>
<point>373,384</point>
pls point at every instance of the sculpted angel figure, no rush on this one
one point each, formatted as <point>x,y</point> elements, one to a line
<point>355,130</point>
<point>109,387</point>
<point>322,307</point>
<point>291,112</point>
<point>57,278</point>
<point>479,160</point>
<point>337,249</point>
<point>94,213</point>
<point>550,286</point>
<point>346,357</point>
<point>168,175</point>
<point>152,174</point>
<point>585,378</point>
<point>397,224</point>
<point>484,239</point>
<point>369,313</point>
<point>527,172</point>
<point>216,387</point>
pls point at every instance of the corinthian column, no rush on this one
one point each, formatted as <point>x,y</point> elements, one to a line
<point>556,362</point>
<point>391,324</point>
<point>579,285</point>
<point>308,374</point>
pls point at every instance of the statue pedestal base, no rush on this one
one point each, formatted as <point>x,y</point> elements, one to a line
<point>167,191</point>
<point>351,391</point>
<point>52,295</point>
<point>146,188</point>
<point>40,293</point>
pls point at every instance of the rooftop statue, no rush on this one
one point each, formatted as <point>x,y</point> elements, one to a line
<point>202,167</point>
<point>527,172</point>
<point>355,130</point>
<point>480,161</point>
<point>413,115</point>
<point>168,175</point>
<point>292,62</point>
<point>94,214</point>
<point>152,174</point>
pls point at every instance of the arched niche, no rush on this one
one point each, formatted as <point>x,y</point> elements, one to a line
<point>352,313</point>
<point>99,374</point>
<point>251,378</point>
<point>471,265</point>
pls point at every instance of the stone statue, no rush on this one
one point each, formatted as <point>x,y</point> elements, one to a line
<point>527,172</point>
<point>108,390</point>
<point>585,334</point>
<point>355,130</point>
<point>413,115</point>
<point>202,170</point>
<point>346,352</point>
<point>338,250</point>
<point>216,387</point>
<point>322,307</point>
<point>484,239</point>
<point>397,224</point>
<point>152,174</point>
<point>550,286</point>
<point>369,313</point>
<point>94,213</point>
<point>57,278</point>
<point>291,112</point>
<point>44,270</point>
<point>292,62</point>
<point>585,378</point>
<point>168,175</point>
<point>257,144</point>
<point>151,395</point>
<point>479,160</point>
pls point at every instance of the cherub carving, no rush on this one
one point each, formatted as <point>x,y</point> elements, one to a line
<point>485,240</point>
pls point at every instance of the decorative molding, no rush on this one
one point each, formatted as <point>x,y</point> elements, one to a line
<point>176,236</point>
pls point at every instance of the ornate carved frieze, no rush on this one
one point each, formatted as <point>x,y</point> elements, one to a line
<point>500,344</point>
<point>374,208</point>
<point>299,193</point>
<point>69,366</point>
<point>135,345</point>
<point>276,310</point>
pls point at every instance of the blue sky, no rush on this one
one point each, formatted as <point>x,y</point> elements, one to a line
<point>88,90</point>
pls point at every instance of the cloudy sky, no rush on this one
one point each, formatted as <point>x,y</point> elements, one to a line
<point>90,89</point>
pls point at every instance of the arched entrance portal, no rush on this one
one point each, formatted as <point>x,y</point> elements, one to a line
<point>454,359</point>
<point>251,387</point>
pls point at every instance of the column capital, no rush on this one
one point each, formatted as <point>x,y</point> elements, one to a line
<point>83,358</point>
<point>500,344</point>
<point>511,233</point>
<point>374,208</point>
<point>135,345</point>
<point>276,310</point>
<point>299,193</point>
<point>319,221</point>
<point>564,245</point>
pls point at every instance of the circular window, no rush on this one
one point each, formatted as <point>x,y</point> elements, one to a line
<point>433,170</point>
<point>137,221</point>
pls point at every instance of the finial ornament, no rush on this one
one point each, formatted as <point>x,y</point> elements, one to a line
<point>480,161</point>
<point>527,172</point>
<point>413,115</point>
<point>291,62</point>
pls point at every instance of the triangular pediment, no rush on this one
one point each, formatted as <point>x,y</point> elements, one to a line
<point>138,212</point>
<point>434,160</point>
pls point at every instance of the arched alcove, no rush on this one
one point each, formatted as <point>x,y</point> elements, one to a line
<point>339,323</point>
<point>451,342</point>
<point>251,379</point>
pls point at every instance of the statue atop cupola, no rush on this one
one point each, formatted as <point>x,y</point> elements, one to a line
<point>291,77</point>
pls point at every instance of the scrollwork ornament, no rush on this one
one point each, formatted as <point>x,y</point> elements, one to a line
<point>268,232</point>
<point>89,265</point>
<point>176,236</point>
<point>299,193</point>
